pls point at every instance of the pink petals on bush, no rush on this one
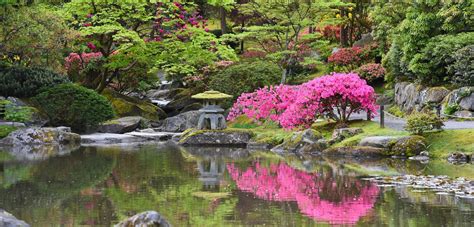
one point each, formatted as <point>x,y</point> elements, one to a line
<point>334,96</point>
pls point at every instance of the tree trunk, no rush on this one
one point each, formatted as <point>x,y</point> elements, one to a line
<point>223,20</point>
<point>283,76</point>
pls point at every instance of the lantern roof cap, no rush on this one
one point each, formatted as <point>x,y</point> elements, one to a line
<point>211,95</point>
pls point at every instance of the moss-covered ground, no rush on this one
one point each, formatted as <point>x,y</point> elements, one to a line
<point>440,144</point>
<point>5,130</point>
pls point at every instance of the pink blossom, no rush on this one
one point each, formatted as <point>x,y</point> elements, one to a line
<point>321,196</point>
<point>91,46</point>
<point>334,96</point>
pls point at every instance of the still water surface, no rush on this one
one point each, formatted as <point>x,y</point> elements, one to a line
<point>221,187</point>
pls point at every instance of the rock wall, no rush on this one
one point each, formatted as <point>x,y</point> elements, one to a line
<point>411,97</point>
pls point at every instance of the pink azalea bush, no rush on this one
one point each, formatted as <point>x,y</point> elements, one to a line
<point>334,96</point>
<point>371,71</point>
<point>321,196</point>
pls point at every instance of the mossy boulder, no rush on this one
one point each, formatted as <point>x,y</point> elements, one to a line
<point>306,141</point>
<point>408,146</point>
<point>130,106</point>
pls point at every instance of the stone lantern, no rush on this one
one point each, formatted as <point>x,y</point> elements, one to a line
<point>211,114</point>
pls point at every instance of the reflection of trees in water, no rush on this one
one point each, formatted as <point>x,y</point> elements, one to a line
<point>50,182</point>
<point>345,199</point>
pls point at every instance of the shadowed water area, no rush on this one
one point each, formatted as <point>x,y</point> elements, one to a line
<point>222,187</point>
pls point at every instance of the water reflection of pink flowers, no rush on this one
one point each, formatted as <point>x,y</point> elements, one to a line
<point>280,182</point>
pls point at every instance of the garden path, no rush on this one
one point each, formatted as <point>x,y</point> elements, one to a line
<point>399,123</point>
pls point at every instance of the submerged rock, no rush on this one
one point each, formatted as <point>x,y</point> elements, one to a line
<point>215,138</point>
<point>121,125</point>
<point>147,218</point>
<point>460,187</point>
<point>8,220</point>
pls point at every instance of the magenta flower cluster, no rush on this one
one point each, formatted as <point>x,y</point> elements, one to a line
<point>371,71</point>
<point>334,96</point>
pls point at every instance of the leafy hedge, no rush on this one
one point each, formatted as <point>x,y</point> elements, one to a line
<point>463,67</point>
<point>245,77</point>
<point>24,82</point>
<point>74,106</point>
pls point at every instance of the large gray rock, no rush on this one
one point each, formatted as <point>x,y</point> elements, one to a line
<point>147,218</point>
<point>215,138</point>
<point>407,96</point>
<point>121,125</point>
<point>433,95</point>
<point>355,151</point>
<point>467,103</point>
<point>385,142</point>
<point>8,220</point>
<point>181,122</point>
<point>464,114</point>
<point>41,136</point>
<point>396,145</point>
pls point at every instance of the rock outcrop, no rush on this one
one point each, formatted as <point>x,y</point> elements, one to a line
<point>180,122</point>
<point>147,218</point>
<point>411,97</point>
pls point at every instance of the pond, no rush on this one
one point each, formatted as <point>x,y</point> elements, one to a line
<point>222,187</point>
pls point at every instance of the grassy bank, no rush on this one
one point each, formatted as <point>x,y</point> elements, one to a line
<point>440,143</point>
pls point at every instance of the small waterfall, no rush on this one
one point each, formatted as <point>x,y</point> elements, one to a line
<point>159,96</point>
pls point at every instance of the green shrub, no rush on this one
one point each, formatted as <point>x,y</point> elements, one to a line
<point>74,106</point>
<point>432,63</point>
<point>26,82</point>
<point>245,77</point>
<point>396,111</point>
<point>5,130</point>
<point>11,112</point>
<point>463,67</point>
<point>418,123</point>
<point>451,109</point>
